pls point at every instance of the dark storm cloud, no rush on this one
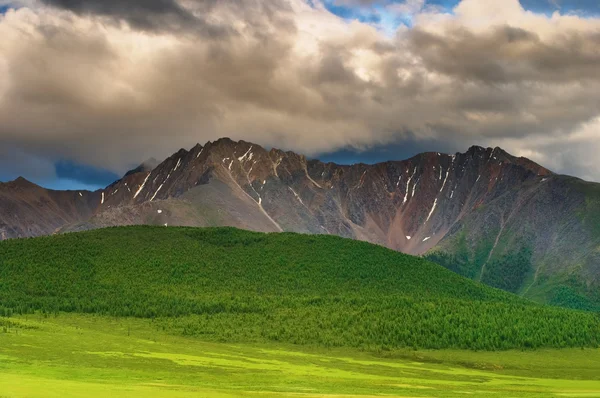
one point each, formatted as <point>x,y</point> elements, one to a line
<point>150,15</point>
<point>122,8</point>
<point>16,163</point>
<point>67,170</point>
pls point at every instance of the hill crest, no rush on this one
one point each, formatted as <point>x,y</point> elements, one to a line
<point>233,285</point>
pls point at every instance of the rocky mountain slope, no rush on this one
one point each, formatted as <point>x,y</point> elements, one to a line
<point>29,210</point>
<point>493,217</point>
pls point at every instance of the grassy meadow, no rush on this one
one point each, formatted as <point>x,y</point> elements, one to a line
<point>95,356</point>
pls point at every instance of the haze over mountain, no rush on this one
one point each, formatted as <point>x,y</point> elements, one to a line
<point>486,214</point>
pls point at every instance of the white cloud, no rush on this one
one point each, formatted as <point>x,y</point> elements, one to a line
<point>408,7</point>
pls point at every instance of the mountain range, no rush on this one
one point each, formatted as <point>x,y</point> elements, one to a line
<point>503,220</point>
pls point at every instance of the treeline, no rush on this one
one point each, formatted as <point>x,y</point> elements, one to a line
<point>399,322</point>
<point>567,296</point>
<point>230,285</point>
<point>509,271</point>
<point>506,272</point>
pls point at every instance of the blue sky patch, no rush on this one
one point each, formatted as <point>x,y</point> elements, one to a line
<point>354,13</point>
<point>376,13</point>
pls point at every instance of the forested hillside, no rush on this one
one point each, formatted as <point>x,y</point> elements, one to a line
<point>231,285</point>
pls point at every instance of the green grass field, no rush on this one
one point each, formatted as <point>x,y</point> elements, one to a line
<point>93,356</point>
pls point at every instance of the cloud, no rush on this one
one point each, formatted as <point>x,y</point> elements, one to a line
<point>409,7</point>
<point>14,162</point>
<point>505,54</point>
<point>109,85</point>
<point>350,3</point>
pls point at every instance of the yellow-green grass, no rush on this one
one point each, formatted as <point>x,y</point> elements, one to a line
<point>86,355</point>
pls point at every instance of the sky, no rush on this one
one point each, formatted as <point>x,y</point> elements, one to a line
<point>91,88</point>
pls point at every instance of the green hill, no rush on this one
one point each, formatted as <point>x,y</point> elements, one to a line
<point>230,285</point>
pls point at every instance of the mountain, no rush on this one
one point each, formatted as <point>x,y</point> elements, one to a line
<point>27,209</point>
<point>225,284</point>
<point>485,214</point>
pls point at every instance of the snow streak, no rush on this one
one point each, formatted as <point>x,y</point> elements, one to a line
<point>408,185</point>
<point>297,196</point>
<point>156,193</point>
<point>141,187</point>
<point>414,188</point>
<point>445,179</point>
<point>432,210</point>
<point>241,158</point>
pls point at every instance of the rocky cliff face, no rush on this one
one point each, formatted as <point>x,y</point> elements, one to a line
<point>486,214</point>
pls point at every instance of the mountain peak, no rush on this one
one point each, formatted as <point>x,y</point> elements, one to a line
<point>22,182</point>
<point>476,149</point>
<point>223,141</point>
<point>182,152</point>
<point>147,165</point>
<point>499,154</point>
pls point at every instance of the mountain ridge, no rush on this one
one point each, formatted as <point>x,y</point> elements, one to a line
<point>503,220</point>
<point>151,163</point>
